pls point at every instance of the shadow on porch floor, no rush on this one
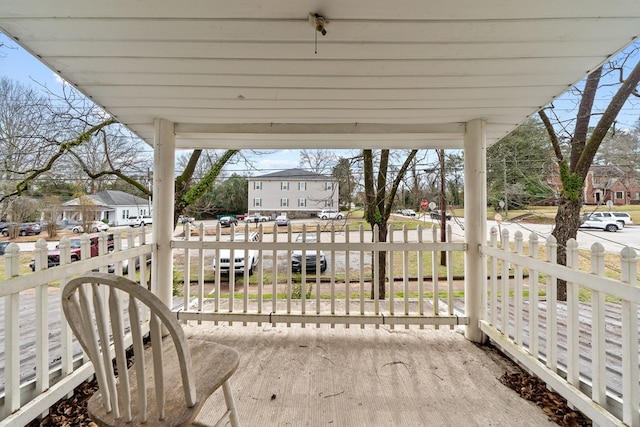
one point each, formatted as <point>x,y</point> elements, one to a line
<point>350,377</point>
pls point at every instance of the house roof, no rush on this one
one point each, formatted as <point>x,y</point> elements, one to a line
<point>119,198</point>
<point>256,74</point>
<point>293,174</point>
<point>112,198</point>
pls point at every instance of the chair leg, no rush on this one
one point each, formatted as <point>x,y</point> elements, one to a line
<point>231,405</point>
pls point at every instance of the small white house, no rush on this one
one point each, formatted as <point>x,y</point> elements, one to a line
<point>115,206</point>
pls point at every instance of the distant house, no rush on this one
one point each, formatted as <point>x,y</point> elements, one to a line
<point>115,206</point>
<point>620,184</point>
<point>296,192</point>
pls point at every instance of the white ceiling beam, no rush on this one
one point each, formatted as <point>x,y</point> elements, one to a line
<point>191,129</point>
<point>295,9</point>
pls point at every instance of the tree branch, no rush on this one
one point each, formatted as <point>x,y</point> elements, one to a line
<point>63,148</point>
<point>555,143</point>
<point>195,192</point>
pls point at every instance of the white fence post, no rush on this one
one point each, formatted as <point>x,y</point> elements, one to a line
<point>573,311</point>
<point>504,277</point>
<point>552,309</point>
<point>493,273</point>
<point>598,332</point>
<point>630,370</point>
<point>533,297</point>
<point>518,289</point>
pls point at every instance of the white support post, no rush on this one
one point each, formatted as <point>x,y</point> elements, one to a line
<point>163,206</point>
<point>475,216</point>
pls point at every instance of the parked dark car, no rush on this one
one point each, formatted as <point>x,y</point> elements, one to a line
<point>26,229</point>
<point>436,214</point>
<point>3,247</point>
<point>226,221</point>
<point>310,256</point>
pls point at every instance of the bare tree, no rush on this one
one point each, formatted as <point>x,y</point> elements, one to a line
<point>81,139</point>
<point>575,160</point>
<point>380,192</point>
<point>318,161</point>
<point>52,208</point>
<point>87,211</point>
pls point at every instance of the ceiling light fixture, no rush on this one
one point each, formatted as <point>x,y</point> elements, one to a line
<point>318,22</point>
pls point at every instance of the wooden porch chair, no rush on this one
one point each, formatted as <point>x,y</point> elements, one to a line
<point>162,387</point>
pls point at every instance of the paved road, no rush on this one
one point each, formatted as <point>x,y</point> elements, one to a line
<point>612,242</point>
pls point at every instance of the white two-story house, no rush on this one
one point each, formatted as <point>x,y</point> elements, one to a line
<point>296,192</point>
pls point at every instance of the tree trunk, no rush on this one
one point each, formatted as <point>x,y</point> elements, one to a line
<point>567,223</point>
<point>382,265</point>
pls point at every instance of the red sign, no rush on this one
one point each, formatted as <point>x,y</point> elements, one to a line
<point>424,204</point>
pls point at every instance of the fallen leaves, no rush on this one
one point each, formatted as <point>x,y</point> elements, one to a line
<point>555,406</point>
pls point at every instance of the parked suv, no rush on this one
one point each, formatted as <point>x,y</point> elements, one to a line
<point>622,218</point>
<point>53,256</point>
<point>140,220</point>
<point>310,256</point>
<point>330,214</point>
<point>239,261</point>
<point>27,228</point>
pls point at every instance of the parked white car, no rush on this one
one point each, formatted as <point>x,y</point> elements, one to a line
<point>140,220</point>
<point>256,217</point>
<point>620,217</point>
<point>330,214</point>
<point>606,224</point>
<point>239,261</point>
<point>95,227</point>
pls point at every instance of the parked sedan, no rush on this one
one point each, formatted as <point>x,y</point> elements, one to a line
<point>435,214</point>
<point>310,256</point>
<point>282,220</point>
<point>226,221</point>
<point>95,227</point>
<point>3,246</point>
<point>600,224</point>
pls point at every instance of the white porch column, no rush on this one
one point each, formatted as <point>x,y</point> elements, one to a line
<point>475,225</point>
<point>163,201</point>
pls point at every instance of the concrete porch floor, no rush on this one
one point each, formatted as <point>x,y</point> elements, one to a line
<point>365,377</point>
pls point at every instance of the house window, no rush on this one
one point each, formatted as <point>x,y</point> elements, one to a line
<point>329,186</point>
<point>302,186</point>
<point>328,203</point>
<point>257,185</point>
<point>619,195</point>
<point>284,185</point>
<point>125,213</point>
<point>284,203</point>
<point>257,202</point>
<point>302,203</point>
<point>637,196</point>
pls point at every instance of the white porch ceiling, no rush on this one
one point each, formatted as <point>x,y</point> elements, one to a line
<point>388,74</point>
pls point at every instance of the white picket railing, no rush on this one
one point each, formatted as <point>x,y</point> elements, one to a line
<point>342,294</point>
<point>41,363</point>
<point>585,348</point>
<point>570,345</point>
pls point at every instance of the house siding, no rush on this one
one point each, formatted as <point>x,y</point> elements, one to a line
<point>295,192</point>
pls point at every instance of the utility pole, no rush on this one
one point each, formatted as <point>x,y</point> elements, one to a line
<point>506,194</point>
